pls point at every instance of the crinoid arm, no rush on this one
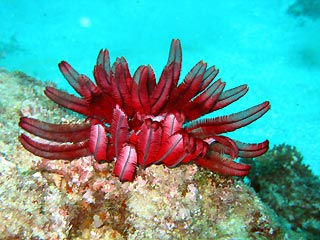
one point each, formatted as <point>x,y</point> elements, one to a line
<point>230,96</point>
<point>73,136</point>
<point>66,141</point>
<point>98,142</point>
<point>56,132</point>
<point>139,120</point>
<point>160,96</point>
<point>220,158</point>
<point>247,150</point>
<point>210,127</point>
<point>149,142</point>
<point>68,101</point>
<point>223,166</point>
<point>55,151</point>
<point>203,102</point>
<point>125,166</point>
<point>143,86</point>
<point>189,87</point>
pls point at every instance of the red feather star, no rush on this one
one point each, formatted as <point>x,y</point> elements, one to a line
<point>138,121</point>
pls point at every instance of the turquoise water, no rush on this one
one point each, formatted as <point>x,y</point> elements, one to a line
<point>255,42</point>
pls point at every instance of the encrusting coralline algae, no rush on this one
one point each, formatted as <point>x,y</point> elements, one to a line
<point>83,200</point>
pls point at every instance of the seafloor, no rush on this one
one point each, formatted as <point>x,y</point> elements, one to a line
<point>43,199</point>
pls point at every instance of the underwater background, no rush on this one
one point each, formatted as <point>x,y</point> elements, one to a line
<point>273,46</point>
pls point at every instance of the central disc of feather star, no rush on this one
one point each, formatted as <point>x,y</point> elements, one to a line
<point>136,120</point>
